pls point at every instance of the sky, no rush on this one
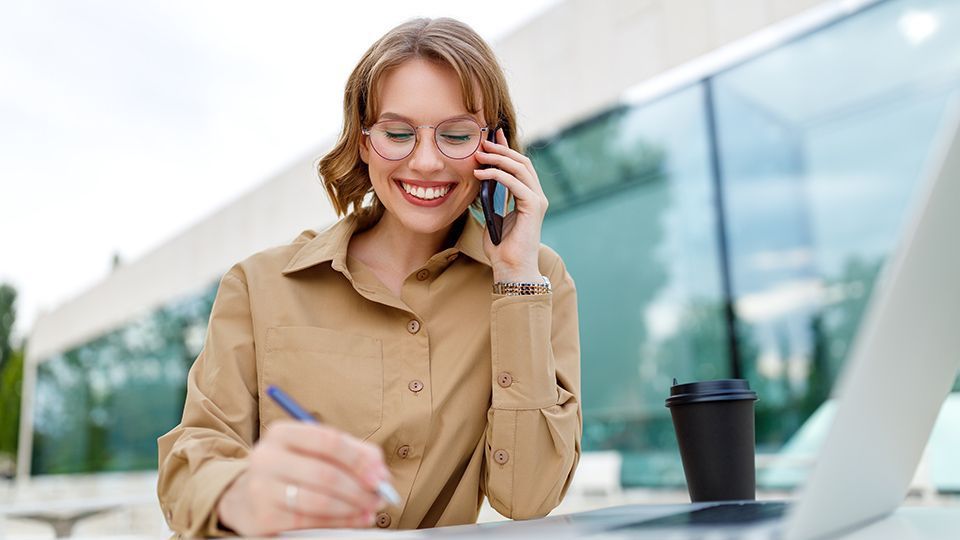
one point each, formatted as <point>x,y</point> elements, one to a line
<point>124,123</point>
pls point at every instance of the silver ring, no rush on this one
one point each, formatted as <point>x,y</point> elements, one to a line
<point>292,492</point>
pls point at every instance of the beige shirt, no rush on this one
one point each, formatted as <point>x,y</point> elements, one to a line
<point>469,394</point>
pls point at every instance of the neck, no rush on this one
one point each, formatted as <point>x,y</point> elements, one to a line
<point>390,245</point>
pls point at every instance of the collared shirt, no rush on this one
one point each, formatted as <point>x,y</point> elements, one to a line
<point>468,393</point>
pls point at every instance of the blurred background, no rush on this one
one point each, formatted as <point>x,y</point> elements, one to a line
<point>747,166</point>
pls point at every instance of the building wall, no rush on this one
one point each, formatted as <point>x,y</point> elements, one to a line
<point>580,56</point>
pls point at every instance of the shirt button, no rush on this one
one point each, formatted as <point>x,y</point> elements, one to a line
<point>403,451</point>
<point>504,379</point>
<point>383,520</point>
<point>501,456</point>
<point>169,515</point>
<point>415,386</point>
<point>423,274</point>
<point>413,326</point>
<point>452,258</point>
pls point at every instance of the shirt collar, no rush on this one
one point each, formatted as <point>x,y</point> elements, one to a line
<point>331,244</point>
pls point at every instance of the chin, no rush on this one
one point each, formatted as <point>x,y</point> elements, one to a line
<point>427,224</point>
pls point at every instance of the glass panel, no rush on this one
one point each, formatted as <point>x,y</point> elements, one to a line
<point>101,406</point>
<point>822,143</point>
<point>596,158</point>
<point>643,254</point>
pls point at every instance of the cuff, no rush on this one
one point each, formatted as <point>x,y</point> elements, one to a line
<point>524,373</point>
<point>211,481</point>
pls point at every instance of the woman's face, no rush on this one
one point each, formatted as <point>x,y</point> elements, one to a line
<point>422,93</point>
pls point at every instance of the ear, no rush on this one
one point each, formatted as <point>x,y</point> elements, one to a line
<point>364,151</point>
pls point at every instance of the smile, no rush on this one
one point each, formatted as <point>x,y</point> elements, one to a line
<point>426,195</point>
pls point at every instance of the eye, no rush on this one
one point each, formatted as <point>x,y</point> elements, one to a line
<point>398,136</point>
<point>453,137</point>
<point>396,132</point>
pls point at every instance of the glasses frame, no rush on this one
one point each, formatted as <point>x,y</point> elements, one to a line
<point>416,131</point>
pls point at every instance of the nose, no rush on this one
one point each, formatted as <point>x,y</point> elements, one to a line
<point>426,157</point>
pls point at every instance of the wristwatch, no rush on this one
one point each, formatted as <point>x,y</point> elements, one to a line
<point>510,288</point>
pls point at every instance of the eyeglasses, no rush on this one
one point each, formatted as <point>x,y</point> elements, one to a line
<point>457,138</point>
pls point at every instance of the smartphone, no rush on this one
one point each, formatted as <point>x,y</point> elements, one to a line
<point>493,200</point>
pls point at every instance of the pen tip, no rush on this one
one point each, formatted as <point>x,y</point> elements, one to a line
<point>389,493</point>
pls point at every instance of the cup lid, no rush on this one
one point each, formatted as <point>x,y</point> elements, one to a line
<point>702,391</point>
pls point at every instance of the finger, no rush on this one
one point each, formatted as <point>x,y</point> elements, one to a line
<point>294,521</point>
<point>504,163</point>
<point>526,197</point>
<point>511,162</point>
<point>363,460</point>
<point>501,147</point>
<point>312,503</point>
<point>319,475</point>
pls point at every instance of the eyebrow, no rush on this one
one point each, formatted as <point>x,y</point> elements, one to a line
<point>395,116</point>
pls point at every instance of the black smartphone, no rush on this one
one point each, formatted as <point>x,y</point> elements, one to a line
<point>493,200</point>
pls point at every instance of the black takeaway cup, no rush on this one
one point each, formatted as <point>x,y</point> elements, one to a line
<point>715,431</point>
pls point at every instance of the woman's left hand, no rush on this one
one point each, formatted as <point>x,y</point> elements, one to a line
<point>515,259</point>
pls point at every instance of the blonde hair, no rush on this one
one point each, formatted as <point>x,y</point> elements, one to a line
<point>447,42</point>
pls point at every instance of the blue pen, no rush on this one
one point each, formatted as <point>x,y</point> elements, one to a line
<point>384,489</point>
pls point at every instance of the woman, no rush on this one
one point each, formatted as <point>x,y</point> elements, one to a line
<point>385,326</point>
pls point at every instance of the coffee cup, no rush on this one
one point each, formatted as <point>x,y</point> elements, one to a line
<point>714,423</point>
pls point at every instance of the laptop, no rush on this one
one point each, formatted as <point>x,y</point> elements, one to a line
<point>904,362</point>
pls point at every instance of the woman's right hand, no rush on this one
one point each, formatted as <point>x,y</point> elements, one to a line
<point>304,476</point>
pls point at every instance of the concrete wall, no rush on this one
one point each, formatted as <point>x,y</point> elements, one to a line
<point>578,57</point>
<point>271,214</point>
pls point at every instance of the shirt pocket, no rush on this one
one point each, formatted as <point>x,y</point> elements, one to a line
<point>337,377</point>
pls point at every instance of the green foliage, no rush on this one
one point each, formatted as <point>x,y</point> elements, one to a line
<point>8,316</point>
<point>11,382</point>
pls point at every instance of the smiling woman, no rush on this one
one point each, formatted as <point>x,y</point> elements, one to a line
<point>434,359</point>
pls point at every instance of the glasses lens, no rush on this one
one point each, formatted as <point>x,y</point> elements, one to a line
<point>393,139</point>
<point>458,139</point>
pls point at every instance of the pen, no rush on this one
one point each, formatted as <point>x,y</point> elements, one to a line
<point>384,489</point>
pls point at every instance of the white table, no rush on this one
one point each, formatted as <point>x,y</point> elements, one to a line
<point>907,523</point>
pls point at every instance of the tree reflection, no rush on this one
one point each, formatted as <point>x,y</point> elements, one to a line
<point>101,406</point>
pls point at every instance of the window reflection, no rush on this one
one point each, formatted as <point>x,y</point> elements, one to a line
<point>642,250</point>
<point>101,406</point>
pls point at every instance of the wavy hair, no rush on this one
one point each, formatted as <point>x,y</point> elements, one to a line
<point>447,42</point>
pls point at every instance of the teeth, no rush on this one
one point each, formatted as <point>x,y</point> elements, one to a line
<point>426,193</point>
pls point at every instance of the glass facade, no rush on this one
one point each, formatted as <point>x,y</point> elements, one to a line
<point>844,138</point>
<point>818,145</point>
<point>760,201</point>
<point>101,406</point>
<point>637,230</point>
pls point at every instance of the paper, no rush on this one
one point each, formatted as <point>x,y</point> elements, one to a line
<point>352,533</point>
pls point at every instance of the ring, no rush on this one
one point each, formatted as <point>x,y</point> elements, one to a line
<point>292,491</point>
